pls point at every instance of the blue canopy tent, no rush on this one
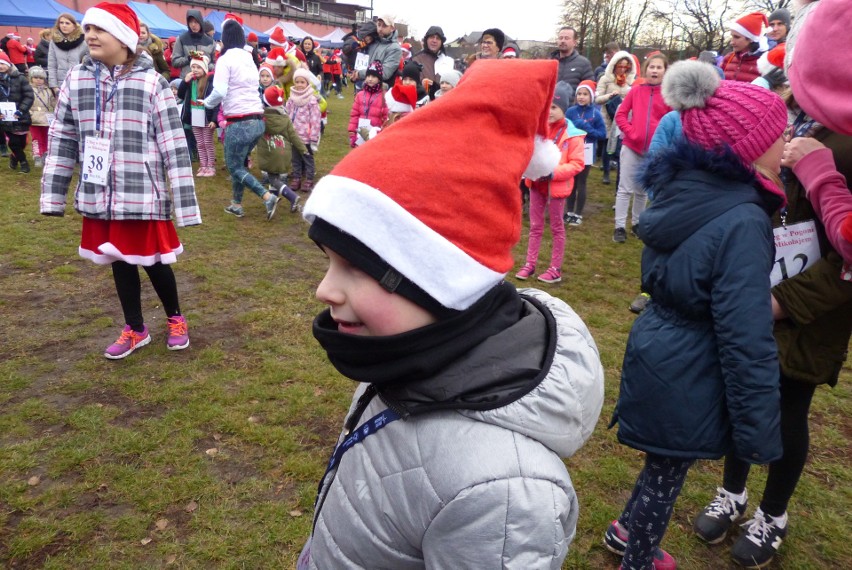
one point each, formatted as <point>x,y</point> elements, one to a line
<point>158,22</point>
<point>217,17</point>
<point>33,13</point>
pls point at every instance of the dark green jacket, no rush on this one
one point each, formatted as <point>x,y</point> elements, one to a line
<point>813,341</point>
<point>273,152</point>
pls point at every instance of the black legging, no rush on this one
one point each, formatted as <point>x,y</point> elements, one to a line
<point>783,474</point>
<point>17,143</point>
<point>577,200</point>
<point>129,290</point>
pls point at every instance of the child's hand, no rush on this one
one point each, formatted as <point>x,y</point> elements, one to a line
<point>314,147</point>
<point>211,125</point>
<point>797,149</point>
<point>189,77</point>
<point>352,139</point>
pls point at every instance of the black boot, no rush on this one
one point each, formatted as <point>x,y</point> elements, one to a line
<point>25,166</point>
<point>13,162</point>
<point>605,178</point>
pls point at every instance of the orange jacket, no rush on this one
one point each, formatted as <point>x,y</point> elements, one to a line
<point>561,182</point>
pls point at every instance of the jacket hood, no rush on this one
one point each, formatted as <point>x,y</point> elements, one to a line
<point>548,348</point>
<point>691,186</point>
<point>76,33</point>
<point>563,409</point>
<point>195,14</point>
<point>610,65</point>
<point>142,63</point>
<point>434,31</point>
<point>390,39</point>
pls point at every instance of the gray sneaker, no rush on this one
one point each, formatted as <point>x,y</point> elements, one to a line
<point>38,162</point>
<point>619,235</point>
<point>294,207</point>
<point>639,303</point>
<point>234,210</point>
<point>271,204</point>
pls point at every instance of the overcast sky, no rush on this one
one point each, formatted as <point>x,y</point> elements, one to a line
<point>526,20</point>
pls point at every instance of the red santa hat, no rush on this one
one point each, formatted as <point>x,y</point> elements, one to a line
<point>398,216</point>
<point>267,68</point>
<point>251,37</point>
<point>5,58</point>
<point>772,59</point>
<point>401,98</point>
<point>230,16</point>
<point>273,96</point>
<point>279,38</point>
<point>276,57</point>
<point>119,20</point>
<point>510,52</point>
<point>751,25</point>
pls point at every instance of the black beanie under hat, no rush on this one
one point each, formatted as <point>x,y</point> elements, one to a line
<point>412,70</point>
<point>498,36</point>
<point>233,35</point>
<point>368,261</point>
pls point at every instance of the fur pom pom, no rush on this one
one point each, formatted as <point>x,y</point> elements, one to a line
<point>544,160</point>
<point>763,65</point>
<point>688,85</point>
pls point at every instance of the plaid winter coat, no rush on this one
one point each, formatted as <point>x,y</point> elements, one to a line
<point>146,141</point>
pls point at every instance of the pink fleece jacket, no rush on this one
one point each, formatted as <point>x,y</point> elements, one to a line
<point>827,190</point>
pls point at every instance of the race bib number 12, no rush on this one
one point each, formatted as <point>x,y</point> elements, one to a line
<point>796,249</point>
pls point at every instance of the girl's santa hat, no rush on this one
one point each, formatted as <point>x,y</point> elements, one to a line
<point>401,98</point>
<point>393,221</point>
<point>199,58</point>
<point>119,20</point>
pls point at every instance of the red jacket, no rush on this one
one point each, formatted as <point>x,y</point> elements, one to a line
<point>570,142</point>
<point>17,52</point>
<point>646,103</point>
<point>741,67</point>
<point>368,106</point>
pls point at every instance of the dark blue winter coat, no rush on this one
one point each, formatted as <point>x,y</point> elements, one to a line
<point>700,374</point>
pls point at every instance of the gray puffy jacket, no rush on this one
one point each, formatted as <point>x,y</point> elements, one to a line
<point>471,489</point>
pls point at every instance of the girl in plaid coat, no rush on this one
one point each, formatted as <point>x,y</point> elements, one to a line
<point>117,117</point>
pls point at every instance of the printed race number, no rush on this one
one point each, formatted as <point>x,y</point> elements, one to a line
<point>796,249</point>
<point>95,161</point>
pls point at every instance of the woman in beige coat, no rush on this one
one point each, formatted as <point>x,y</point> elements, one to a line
<point>612,88</point>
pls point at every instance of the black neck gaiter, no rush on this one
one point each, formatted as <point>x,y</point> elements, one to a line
<point>420,353</point>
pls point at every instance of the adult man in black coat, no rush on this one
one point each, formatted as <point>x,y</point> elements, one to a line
<point>573,67</point>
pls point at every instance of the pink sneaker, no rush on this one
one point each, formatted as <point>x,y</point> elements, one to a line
<point>525,272</point>
<point>178,334</point>
<point>552,275</point>
<point>127,342</point>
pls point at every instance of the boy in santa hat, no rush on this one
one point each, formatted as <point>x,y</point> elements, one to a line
<point>471,392</point>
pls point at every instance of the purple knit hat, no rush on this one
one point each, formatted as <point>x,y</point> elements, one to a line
<point>746,117</point>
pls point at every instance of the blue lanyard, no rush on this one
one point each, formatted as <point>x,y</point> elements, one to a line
<point>98,108</point>
<point>359,434</point>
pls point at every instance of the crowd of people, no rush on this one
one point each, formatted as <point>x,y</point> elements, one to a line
<point>736,166</point>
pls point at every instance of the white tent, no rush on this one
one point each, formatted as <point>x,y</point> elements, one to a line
<point>335,36</point>
<point>291,30</point>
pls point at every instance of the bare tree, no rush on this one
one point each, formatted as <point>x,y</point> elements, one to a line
<point>599,22</point>
<point>767,6</point>
<point>700,24</point>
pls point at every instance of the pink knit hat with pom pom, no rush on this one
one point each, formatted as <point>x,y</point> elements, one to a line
<point>746,117</point>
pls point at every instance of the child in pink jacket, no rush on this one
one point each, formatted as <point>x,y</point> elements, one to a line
<point>369,108</point>
<point>303,109</point>
<point>551,191</point>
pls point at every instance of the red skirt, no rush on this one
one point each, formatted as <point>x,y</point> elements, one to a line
<point>138,242</point>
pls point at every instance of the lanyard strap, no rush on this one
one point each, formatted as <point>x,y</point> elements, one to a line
<point>98,108</point>
<point>358,435</point>
<point>368,102</point>
<point>46,106</point>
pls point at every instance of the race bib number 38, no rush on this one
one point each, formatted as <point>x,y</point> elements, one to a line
<point>95,161</point>
<point>796,249</point>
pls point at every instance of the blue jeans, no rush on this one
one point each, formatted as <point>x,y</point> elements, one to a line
<point>240,138</point>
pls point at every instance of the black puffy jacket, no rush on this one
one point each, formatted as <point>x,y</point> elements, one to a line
<point>15,88</point>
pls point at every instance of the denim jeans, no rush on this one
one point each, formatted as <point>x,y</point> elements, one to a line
<point>240,138</point>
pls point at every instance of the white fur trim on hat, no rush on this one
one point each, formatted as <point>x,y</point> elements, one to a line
<point>354,207</point>
<point>395,106</point>
<point>545,158</point>
<point>109,23</point>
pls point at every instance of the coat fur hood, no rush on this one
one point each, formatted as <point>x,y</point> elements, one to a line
<point>73,39</point>
<point>677,175</point>
<point>610,66</point>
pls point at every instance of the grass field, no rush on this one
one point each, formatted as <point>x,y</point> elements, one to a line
<point>209,458</point>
